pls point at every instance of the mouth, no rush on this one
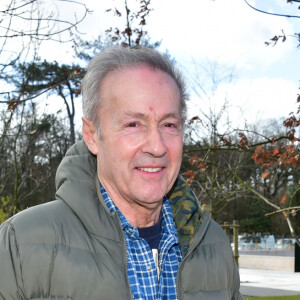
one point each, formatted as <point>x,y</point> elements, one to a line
<point>150,170</point>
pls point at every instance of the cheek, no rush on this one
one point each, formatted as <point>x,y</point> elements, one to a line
<point>127,144</point>
<point>175,146</point>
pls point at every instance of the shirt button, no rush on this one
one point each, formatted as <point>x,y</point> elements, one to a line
<point>148,268</point>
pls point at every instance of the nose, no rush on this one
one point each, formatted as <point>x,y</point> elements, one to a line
<point>154,143</point>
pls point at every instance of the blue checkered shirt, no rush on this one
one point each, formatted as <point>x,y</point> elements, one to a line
<point>143,277</point>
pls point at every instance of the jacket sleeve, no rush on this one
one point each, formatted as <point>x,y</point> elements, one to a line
<point>10,269</point>
<point>236,293</point>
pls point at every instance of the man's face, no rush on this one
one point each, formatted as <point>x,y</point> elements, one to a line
<point>139,152</point>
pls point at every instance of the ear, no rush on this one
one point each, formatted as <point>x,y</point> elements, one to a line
<point>89,134</point>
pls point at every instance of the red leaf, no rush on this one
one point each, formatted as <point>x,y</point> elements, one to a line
<point>265,174</point>
<point>273,140</point>
<point>259,148</point>
<point>283,200</point>
<point>189,173</point>
<point>194,160</point>
<point>190,180</point>
<point>275,151</point>
<point>13,103</point>
<point>243,141</point>
<point>201,165</point>
<point>203,169</point>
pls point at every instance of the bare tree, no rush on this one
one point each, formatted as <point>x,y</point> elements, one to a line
<point>226,164</point>
<point>24,25</point>
<point>30,154</point>
<point>236,167</point>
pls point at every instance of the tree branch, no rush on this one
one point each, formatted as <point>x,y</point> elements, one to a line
<point>272,14</point>
<point>282,210</point>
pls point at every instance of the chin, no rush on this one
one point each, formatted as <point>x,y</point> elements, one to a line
<point>150,193</point>
<point>151,198</point>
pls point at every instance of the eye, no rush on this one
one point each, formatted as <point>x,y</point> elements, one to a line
<point>171,125</point>
<point>132,124</point>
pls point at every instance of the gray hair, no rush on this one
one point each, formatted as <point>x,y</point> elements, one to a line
<point>118,57</point>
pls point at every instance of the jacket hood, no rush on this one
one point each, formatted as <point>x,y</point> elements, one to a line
<point>77,184</point>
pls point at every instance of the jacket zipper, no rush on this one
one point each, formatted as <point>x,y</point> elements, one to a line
<point>125,256</point>
<point>188,254</point>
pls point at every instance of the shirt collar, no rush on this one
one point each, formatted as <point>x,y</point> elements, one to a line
<point>168,225</point>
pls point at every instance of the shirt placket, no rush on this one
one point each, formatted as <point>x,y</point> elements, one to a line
<point>168,241</point>
<point>146,263</point>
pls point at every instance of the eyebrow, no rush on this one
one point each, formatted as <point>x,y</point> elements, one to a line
<point>139,115</point>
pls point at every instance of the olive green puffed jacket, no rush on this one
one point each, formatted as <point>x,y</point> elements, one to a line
<point>74,248</point>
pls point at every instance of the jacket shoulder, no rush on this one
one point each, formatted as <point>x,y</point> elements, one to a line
<point>215,274</point>
<point>40,223</point>
<point>215,233</point>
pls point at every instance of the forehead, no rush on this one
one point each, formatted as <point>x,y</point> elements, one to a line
<point>139,83</point>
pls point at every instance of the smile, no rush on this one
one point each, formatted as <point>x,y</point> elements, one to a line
<point>150,170</point>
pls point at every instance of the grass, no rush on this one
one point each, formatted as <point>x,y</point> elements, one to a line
<point>296,297</point>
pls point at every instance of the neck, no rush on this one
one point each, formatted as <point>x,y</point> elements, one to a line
<point>144,218</point>
<point>139,214</point>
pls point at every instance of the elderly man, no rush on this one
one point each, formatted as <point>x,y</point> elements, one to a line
<point>124,225</point>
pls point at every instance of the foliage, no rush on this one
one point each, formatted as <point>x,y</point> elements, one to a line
<point>6,208</point>
<point>237,168</point>
<point>37,78</point>
<point>31,151</point>
<point>255,220</point>
<point>133,34</point>
<point>25,24</point>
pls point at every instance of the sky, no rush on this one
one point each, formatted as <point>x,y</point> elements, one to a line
<point>230,36</point>
<point>215,40</point>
